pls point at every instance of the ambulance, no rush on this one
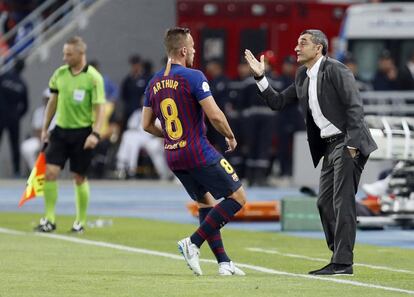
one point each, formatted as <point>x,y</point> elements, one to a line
<point>370,29</point>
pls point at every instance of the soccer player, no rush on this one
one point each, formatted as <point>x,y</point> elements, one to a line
<point>180,97</point>
<point>77,98</point>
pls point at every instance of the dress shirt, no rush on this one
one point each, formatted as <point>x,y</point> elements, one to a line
<point>327,128</point>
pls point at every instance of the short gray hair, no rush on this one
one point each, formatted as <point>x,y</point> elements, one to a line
<point>78,42</point>
<point>318,37</point>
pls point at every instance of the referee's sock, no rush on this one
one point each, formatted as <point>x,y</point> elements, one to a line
<point>214,241</point>
<point>82,193</point>
<point>50,192</point>
<point>215,220</point>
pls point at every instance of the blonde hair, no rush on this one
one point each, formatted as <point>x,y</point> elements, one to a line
<point>78,42</point>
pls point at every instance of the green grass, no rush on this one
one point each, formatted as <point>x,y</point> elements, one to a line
<point>33,265</point>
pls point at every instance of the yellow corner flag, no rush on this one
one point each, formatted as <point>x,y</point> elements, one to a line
<point>35,182</point>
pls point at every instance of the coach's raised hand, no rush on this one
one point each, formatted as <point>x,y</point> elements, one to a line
<point>256,67</point>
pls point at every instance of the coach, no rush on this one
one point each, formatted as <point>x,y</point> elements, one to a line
<point>333,113</point>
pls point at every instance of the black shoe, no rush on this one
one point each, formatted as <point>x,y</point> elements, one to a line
<point>320,269</point>
<point>45,226</point>
<point>334,269</point>
<point>77,228</point>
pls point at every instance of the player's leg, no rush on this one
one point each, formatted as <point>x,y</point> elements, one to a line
<point>50,194</point>
<point>155,150</point>
<point>215,241</point>
<point>82,195</point>
<point>80,160</point>
<point>127,155</point>
<point>205,205</point>
<point>219,216</point>
<point>135,140</point>
<point>221,181</point>
<point>56,156</point>
<point>190,251</point>
<point>14,137</point>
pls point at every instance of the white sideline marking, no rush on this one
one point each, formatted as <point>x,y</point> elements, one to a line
<point>176,257</point>
<point>9,231</point>
<point>274,251</point>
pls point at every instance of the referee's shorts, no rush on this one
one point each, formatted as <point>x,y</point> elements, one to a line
<point>67,144</point>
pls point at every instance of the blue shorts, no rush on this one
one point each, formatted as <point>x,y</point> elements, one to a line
<point>219,179</point>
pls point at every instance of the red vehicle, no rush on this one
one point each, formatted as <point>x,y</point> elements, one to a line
<point>223,29</point>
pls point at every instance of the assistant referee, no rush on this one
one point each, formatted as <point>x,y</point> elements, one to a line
<point>77,98</point>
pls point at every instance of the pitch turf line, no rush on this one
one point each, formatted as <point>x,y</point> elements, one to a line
<point>275,252</point>
<point>13,232</point>
<point>177,257</point>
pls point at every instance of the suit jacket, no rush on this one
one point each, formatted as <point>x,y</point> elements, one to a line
<point>340,104</point>
<point>405,79</point>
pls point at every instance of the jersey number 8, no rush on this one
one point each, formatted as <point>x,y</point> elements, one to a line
<point>173,124</point>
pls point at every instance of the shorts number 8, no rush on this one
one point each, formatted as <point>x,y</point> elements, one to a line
<point>226,165</point>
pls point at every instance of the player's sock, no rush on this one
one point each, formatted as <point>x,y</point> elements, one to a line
<point>50,193</point>
<point>215,220</point>
<point>82,199</point>
<point>214,241</point>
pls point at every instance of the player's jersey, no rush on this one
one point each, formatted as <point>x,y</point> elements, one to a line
<point>174,99</point>
<point>76,96</point>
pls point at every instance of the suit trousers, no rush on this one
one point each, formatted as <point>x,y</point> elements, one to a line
<point>13,127</point>
<point>338,185</point>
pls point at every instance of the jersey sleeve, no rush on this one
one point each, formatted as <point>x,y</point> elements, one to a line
<point>147,93</point>
<point>199,85</point>
<point>53,83</point>
<point>98,90</point>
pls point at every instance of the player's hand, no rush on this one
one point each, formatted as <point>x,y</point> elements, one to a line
<point>91,142</point>
<point>231,144</point>
<point>256,67</point>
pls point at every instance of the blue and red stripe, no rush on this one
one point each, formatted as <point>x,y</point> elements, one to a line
<point>198,151</point>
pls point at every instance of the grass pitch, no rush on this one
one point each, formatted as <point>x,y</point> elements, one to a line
<point>33,265</point>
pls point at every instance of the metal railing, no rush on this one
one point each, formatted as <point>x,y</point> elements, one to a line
<point>31,18</point>
<point>389,103</point>
<point>41,30</point>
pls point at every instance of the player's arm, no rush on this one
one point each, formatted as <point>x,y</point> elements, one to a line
<point>93,139</point>
<point>98,105</point>
<point>99,117</point>
<point>49,113</point>
<point>219,121</point>
<point>149,124</point>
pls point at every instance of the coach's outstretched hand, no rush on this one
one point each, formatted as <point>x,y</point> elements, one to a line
<point>256,67</point>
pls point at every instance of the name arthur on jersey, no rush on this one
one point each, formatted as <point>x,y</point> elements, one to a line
<point>163,84</point>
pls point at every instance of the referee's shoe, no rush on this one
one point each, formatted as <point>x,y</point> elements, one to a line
<point>77,228</point>
<point>45,226</point>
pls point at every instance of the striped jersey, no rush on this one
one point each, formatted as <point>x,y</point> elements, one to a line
<point>174,98</point>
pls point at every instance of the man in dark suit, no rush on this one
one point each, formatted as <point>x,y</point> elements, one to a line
<point>13,106</point>
<point>333,113</point>
<point>406,75</point>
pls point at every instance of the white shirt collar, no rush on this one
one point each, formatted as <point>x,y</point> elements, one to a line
<point>313,72</point>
